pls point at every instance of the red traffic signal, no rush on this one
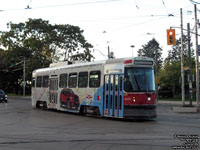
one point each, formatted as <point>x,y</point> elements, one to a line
<point>170,33</point>
<point>171,37</point>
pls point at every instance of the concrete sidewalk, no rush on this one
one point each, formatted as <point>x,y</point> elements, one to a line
<point>175,102</point>
<point>177,106</point>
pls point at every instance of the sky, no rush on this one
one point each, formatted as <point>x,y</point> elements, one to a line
<point>114,23</point>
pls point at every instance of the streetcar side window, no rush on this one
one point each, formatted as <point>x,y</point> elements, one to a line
<point>63,80</point>
<point>39,81</point>
<point>94,79</point>
<point>72,80</point>
<point>83,79</point>
<point>45,81</point>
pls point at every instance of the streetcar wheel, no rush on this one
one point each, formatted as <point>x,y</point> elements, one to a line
<point>82,110</point>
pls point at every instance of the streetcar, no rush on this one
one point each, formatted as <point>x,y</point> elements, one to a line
<point>117,88</point>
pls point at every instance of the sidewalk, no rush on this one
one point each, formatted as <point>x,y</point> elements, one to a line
<point>175,102</point>
<point>177,106</point>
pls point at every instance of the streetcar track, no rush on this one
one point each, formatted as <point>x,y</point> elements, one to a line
<point>115,142</point>
<point>84,140</point>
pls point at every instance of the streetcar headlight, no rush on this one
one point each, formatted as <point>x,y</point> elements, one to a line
<point>149,98</point>
<point>134,100</point>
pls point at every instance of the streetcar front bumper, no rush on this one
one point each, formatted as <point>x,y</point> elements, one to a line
<point>140,112</point>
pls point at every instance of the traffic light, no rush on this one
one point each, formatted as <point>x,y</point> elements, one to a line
<point>171,37</point>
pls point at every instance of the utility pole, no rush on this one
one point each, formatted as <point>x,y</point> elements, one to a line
<point>182,61</point>
<point>197,56</point>
<point>190,64</point>
<point>24,76</point>
<point>156,72</point>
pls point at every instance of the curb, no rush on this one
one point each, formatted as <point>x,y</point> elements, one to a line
<point>185,109</point>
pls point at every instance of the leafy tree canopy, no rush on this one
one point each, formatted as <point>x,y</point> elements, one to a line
<point>175,53</point>
<point>171,70</point>
<point>40,43</point>
<point>46,41</point>
<point>152,49</point>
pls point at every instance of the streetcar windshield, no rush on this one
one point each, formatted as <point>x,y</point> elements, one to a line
<point>139,79</point>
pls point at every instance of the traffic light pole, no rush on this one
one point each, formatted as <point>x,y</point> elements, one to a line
<point>182,62</point>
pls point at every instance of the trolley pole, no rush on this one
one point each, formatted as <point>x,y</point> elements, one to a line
<point>197,56</point>
<point>182,62</point>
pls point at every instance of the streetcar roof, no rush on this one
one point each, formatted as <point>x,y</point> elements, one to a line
<point>64,65</point>
<point>71,66</point>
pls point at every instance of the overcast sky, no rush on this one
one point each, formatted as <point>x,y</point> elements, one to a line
<point>117,23</point>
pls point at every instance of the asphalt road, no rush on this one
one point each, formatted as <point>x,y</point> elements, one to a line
<point>25,128</point>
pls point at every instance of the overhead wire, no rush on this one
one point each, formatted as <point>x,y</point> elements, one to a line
<point>165,7</point>
<point>110,19</point>
<point>28,6</point>
<point>194,2</point>
<point>174,14</point>
<point>62,5</point>
<point>138,8</point>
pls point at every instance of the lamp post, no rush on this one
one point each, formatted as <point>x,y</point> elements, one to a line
<point>132,46</point>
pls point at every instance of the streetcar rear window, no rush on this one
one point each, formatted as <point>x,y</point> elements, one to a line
<point>83,79</point>
<point>95,77</point>
<point>39,81</point>
<point>33,82</point>
<point>63,80</point>
<point>72,80</point>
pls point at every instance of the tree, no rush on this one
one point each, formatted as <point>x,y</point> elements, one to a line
<point>175,53</point>
<point>170,77</point>
<point>45,40</point>
<point>171,70</point>
<point>40,43</point>
<point>153,50</point>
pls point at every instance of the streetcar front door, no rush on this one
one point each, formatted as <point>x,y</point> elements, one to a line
<point>53,92</point>
<point>113,95</point>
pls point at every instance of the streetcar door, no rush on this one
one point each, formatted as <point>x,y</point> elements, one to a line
<point>53,92</point>
<point>113,95</point>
